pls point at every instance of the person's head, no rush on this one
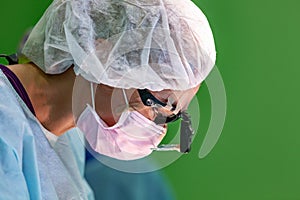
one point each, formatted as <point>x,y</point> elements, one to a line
<point>126,51</point>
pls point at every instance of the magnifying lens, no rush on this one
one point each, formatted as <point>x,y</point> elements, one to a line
<point>186,130</point>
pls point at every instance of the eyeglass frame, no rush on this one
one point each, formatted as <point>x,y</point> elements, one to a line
<point>186,130</point>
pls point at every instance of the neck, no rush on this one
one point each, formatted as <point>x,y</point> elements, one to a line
<point>50,95</point>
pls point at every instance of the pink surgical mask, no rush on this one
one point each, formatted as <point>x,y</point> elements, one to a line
<point>132,137</point>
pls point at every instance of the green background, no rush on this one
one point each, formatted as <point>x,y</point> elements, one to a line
<point>257,156</point>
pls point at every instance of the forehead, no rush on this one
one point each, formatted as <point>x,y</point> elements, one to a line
<point>163,95</point>
<point>180,99</point>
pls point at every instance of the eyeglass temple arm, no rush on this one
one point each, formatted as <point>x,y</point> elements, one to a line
<point>146,95</point>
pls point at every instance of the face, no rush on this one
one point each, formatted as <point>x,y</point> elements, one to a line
<point>111,102</point>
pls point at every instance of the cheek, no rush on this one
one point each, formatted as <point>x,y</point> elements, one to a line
<point>147,112</point>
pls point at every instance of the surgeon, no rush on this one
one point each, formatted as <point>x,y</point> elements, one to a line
<point>120,71</point>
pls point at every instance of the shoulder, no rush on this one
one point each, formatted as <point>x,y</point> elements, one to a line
<point>14,123</point>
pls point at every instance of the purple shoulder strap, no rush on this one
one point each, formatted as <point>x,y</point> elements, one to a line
<point>16,83</point>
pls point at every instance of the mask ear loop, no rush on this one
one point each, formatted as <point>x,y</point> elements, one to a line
<point>125,98</point>
<point>93,95</point>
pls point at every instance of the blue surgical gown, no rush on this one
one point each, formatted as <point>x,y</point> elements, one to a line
<point>31,167</point>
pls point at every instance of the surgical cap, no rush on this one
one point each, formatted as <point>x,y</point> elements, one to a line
<point>153,44</point>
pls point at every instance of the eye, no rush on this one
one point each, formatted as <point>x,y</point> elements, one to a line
<point>149,102</point>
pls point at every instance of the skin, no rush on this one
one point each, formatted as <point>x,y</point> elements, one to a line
<point>51,97</point>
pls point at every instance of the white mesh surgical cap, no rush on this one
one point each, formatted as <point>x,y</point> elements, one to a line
<point>154,44</point>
